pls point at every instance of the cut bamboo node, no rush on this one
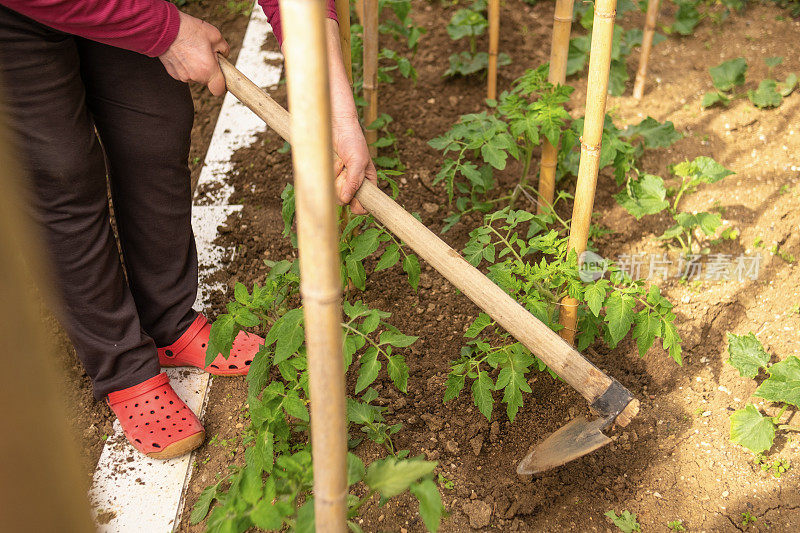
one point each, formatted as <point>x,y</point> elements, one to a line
<point>547,164</point>
<point>563,19</point>
<point>320,297</point>
<point>606,15</point>
<point>369,86</point>
<point>590,148</point>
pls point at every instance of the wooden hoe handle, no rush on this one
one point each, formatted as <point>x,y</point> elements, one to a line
<point>562,358</point>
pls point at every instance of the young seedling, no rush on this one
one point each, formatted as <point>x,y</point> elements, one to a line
<point>729,75</point>
<point>676,525</point>
<point>470,23</point>
<point>748,519</point>
<point>626,521</point>
<point>749,427</point>
<point>647,195</point>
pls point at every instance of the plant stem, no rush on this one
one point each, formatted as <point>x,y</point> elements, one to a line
<point>523,181</point>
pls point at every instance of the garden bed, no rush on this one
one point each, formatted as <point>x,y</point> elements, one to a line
<point>675,461</point>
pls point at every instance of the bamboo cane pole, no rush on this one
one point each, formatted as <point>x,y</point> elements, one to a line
<point>343,14</point>
<point>647,46</point>
<point>559,49</point>
<point>360,10</point>
<point>494,38</point>
<point>596,94</point>
<point>371,71</point>
<point>318,241</point>
<point>39,461</point>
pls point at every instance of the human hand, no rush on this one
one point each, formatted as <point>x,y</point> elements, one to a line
<point>353,164</point>
<point>193,54</point>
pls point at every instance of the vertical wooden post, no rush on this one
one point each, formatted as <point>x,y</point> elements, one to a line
<point>343,14</point>
<point>494,38</point>
<point>360,10</point>
<point>596,93</point>
<point>320,285</point>
<point>41,484</point>
<point>559,49</point>
<point>371,71</point>
<point>647,46</point>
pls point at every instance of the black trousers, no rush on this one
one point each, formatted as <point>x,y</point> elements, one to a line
<point>85,115</point>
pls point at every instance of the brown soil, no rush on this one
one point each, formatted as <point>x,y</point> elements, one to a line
<point>92,420</point>
<point>675,460</point>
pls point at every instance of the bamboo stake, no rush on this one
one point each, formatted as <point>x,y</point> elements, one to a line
<point>494,38</point>
<point>371,71</point>
<point>360,10</point>
<point>559,49</point>
<point>343,14</point>
<point>318,243</point>
<point>596,93</point>
<point>39,460</point>
<point>647,46</point>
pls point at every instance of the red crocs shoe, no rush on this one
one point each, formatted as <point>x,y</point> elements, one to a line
<point>190,350</point>
<point>155,420</point>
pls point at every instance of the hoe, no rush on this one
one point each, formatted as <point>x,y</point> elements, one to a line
<point>608,399</point>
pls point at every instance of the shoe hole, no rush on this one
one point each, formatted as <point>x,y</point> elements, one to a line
<point>147,423</point>
<point>136,405</point>
<point>162,407</point>
<point>203,345</point>
<point>137,440</point>
<point>168,353</point>
<point>214,366</point>
<point>169,416</point>
<point>147,401</point>
<point>233,367</point>
<point>152,412</point>
<point>169,436</point>
<point>156,397</point>
<point>248,362</point>
<point>171,402</point>
<point>156,445</point>
<point>184,418</point>
<point>180,431</point>
<point>130,417</point>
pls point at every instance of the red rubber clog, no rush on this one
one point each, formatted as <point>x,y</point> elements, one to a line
<point>155,420</point>
<point>190,350</point>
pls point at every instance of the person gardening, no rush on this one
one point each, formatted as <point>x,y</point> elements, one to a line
<point>95,94</point>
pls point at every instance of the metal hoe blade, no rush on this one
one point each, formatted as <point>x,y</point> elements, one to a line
<point>574,440</point>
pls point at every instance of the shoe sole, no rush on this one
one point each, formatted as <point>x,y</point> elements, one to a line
<point>213,373</point>
<point>181,447</point>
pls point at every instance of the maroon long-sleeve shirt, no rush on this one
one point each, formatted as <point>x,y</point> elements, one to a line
<point>145,26</point>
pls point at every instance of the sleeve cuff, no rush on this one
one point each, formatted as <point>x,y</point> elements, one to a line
<point>172,23</point>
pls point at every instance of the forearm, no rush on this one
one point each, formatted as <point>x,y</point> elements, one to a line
<point>145,26</point>
<point>342,105</point>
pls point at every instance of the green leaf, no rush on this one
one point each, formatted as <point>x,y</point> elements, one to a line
<point>240,294</point>
<point>305,518</point>
<point>368,371</point>
<point>251,485</point>
<point>626,521</point>
<point>454,385</point>
<point>773,61</point>
<point>786,87</point>
<point>430,503</point>
<point>686,18</point>
<point>749,428</point>
<point>747,354</point>
<point>295,406</point>
<point>708,222</point>
<point>494,156</point>
<point>644,196</point>
<point>766,95</point>
<point>365,244</point>
<point>482,394</point>
<point>389,258</point>
<point>617,77</point>
<point>706,169</point>
<point>203,504</point>
<point>355,469</point>
<point>783,384</point>
<point>619,315</point>
<point>265,515</point>
<point>223,331</point>
<point>729,74</point>
<point>478,325</point>
<point>411,268</point>
<point>398,371</point>
<point>710,99</point>
<point>648,327</point>
<point>654,133</point>
<point>290,335</point>
<point>355,271</point>
<point>595,296</point>
<point>397,339</point>
<point>391,476</point>
<point>672,341</point>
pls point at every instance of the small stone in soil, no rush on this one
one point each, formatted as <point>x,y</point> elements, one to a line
<point>479,513</point>
<point>476,443</point>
